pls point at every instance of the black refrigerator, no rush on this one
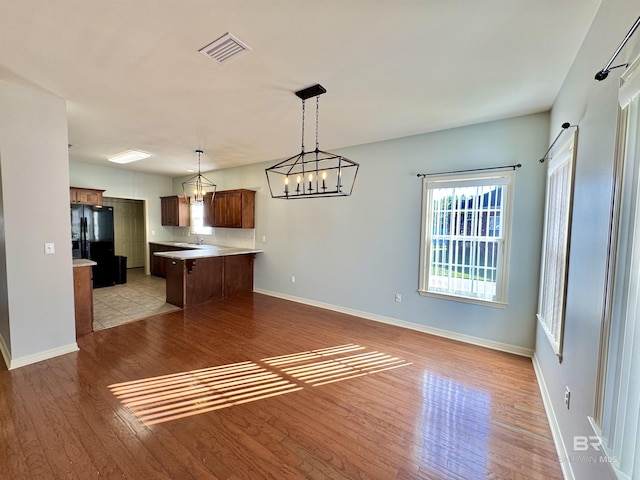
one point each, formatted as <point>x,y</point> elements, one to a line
<point>92,238</point>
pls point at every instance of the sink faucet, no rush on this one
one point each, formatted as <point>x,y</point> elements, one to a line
<point>200,240</point>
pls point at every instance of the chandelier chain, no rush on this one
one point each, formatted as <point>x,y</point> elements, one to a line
<point>317,117</point>
<point>303,125</point>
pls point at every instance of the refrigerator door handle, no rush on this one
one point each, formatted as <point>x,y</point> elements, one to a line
<point>83,236</point>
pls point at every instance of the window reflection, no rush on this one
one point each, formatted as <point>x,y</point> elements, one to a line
<point>454,427</point>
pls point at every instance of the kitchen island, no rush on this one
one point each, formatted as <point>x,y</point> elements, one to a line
<point>202,273</point>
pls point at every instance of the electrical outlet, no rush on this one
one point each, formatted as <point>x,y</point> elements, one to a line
<point>49,248</point>
<point>293,279</point>
<point>398,297</point>
<point>567,397</point>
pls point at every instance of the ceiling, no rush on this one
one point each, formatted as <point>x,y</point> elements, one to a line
<point>133,77</point>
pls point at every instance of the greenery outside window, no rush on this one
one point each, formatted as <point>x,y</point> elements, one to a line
<point>464,248</point>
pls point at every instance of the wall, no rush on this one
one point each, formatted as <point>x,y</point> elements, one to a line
<point>35,210</point>
<point>120,183</point>
<point>594,106</point>
<point>355,253</point>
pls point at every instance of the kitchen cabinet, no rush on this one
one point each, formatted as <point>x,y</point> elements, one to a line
<point>85,196</point>
<point>158,265</point>
<point>83,299</point>
<point>199,280</point>
<point>230,209</point>
<point>174,211</point>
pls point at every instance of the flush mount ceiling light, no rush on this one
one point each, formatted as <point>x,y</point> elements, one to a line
<point>128,156</point>
<point>312,174</point>
<point>198,186</point>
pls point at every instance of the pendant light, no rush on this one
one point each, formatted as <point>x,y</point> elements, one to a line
<point>312,174</point>
<point>198,186</point>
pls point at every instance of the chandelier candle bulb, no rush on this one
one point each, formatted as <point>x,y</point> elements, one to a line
<point>286,185</point>
<point>324,177</point>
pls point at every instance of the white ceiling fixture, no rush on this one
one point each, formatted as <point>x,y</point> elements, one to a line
<point>224,48</point>
<point>128,156</point>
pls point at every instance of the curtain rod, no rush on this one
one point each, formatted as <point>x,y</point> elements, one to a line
<point>602,74</point>
<point>564,126</point>
<point>503,167</point>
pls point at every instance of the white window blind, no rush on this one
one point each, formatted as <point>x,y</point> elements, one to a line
<point>556,241</point>
<point>618,412</point>
<point>466,221</point>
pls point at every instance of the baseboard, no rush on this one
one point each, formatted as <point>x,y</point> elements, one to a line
<point>563,455</point>
<point>5,352</point>
<point>38,357</point>
<point>482,342</point>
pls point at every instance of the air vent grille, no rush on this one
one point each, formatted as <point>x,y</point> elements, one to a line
<point>224,48</point>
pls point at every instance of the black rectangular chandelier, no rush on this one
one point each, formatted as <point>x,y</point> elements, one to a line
<point>312,174</point>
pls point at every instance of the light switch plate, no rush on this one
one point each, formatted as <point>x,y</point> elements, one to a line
<point>49,248</point>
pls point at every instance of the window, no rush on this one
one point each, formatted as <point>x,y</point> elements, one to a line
<point>197,220</point>
<point>464,247</point>
<point>617,412</point>
<point>555,247</point>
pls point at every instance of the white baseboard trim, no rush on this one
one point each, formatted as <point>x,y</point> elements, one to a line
<point>563,455</point>
<point>482,342</point>
<point>5,352</point>
<point>38,357</point>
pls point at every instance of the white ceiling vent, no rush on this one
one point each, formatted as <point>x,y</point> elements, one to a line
<point>224,48</point>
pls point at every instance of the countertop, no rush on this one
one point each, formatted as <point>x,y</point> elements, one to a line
<point>202,251</point>
<point>83,262</point>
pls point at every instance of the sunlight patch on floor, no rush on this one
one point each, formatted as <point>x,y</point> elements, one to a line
<point>178,395</point>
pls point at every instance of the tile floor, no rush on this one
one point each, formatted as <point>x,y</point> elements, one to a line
<point>142,296</point>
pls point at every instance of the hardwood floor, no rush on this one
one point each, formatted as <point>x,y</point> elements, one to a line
<point>256,387</point>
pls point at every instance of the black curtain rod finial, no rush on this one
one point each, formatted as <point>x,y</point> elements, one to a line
<point>601,75</point>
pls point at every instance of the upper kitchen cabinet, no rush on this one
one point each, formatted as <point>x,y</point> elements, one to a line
<point>231,209</point>
<point>86,196</point>
<point>174,211</point>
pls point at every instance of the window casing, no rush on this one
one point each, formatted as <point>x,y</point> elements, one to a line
<point>617,411</point>
<point>556,241</point>
<point>465,237</point>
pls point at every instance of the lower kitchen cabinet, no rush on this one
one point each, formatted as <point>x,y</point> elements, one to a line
<point>83,300</point>
<point>158,265</point>
<point>194,281</point>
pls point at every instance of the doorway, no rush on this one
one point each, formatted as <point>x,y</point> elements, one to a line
<point>129,230</point>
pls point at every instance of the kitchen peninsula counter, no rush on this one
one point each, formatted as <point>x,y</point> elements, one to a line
<point>193,250</point>
<point>202,273</point>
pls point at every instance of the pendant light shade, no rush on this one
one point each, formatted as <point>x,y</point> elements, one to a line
<point>198,186</point>
<point>315,173</point>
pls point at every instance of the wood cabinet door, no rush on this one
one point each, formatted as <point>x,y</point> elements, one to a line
<point>85,196</point>
<point>176,284</point>
<point>174,211</point>
<point>208,214</point>
<point>169,211</point>
<point>220,210</point>
<point>234,210</point>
